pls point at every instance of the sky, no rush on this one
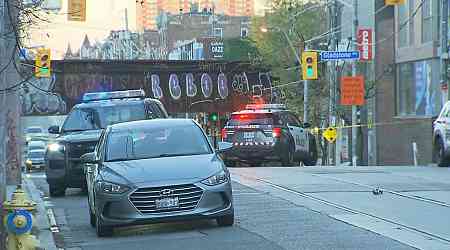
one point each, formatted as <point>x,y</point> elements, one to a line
<point>101,17</point>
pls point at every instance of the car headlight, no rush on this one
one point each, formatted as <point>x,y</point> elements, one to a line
<point>112,188</point>
<point>29,162</point>
<point>216,179</point>
<point>28,138</point>
<point>55,147</point>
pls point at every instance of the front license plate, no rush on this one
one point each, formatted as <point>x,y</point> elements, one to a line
<point>167,203</point>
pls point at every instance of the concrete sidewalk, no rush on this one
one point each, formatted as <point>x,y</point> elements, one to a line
<point>42,226</point>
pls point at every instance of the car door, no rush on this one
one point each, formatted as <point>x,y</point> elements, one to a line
<point>298,132</point>
<point>92,169</point>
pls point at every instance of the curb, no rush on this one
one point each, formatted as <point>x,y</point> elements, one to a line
<point>45,234</point>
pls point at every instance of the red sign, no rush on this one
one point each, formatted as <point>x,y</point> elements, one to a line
<point>352,90</point>
<point>365,44</point>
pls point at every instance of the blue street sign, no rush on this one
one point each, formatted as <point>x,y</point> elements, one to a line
<point>339,55</point>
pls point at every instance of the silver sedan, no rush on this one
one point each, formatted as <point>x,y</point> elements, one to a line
<point>156,171</point>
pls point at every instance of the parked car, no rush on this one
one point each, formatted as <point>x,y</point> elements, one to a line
<point>156,171</point>
<point>35,133</point>
<point>441,137</point>
<point>35,160</point>
<point>81,130</point>
<point>36,145</point>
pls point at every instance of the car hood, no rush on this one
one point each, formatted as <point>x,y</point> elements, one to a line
<point>157,170</point>
<point>80,136</point>
<point>38,159</point>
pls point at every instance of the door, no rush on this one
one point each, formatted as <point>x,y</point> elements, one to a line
<point>298,132</point>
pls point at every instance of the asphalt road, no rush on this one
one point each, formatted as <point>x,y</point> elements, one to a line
<point>266,218</point>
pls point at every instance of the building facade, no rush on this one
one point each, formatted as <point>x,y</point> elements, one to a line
<point>409,94</point>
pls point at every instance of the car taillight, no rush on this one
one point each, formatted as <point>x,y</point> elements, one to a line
<point>276,132</point>
<point>224,133</point>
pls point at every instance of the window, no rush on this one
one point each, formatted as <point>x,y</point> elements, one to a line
<point>412,8</point>
<point>402,28</point>
<point>418,91</point>
<point>218,32</point>
<point>244,32</point>
<point>427,21</point>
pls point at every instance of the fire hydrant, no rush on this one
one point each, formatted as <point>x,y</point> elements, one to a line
<point>19,221</point>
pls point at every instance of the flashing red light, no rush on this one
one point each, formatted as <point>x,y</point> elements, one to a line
<point>224,134</point>
<point>276,132</point>
<point>243,117</point>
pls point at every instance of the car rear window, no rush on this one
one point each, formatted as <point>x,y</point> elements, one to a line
<point>252,119</point>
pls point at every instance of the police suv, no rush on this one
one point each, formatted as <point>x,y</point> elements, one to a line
<point>81,130</point>
<point>268,132</point>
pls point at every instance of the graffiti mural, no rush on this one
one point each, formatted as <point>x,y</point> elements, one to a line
<point>182,86</point>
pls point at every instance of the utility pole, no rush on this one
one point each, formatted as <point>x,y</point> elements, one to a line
<point>10,139</point>
<point>305,93</point>
<point>444,46</point>
<point>354,107</point>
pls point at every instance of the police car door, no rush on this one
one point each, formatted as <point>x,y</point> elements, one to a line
<point>300,135</point>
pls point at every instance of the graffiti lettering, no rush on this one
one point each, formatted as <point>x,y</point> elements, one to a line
<point>174,87</point>
<point>206,83</point>
<point>222,85</point>
<point>191,88</point>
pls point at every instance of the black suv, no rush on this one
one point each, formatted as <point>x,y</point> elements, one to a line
<point>82,128</point>
<point>268,132</point>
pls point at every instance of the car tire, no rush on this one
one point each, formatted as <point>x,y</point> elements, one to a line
<point>56,190</point>
<point>230,164</point>
<point>102,230</point>
<point>226,221</point>
<point>288,157</point>
<point>311,159</point>
<point>92,217</point>
<point>439,152</point>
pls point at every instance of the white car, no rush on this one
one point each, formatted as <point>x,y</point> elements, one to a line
<point>36,145</point>
<point>35,134</point>
<point>441,137</point>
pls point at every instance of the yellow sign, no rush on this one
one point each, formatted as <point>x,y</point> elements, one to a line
<point>394,2</point>
<point>330,134</point>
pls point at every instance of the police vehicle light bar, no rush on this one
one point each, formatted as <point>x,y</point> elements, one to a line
<point>97,96</point>
<point>265,106</point>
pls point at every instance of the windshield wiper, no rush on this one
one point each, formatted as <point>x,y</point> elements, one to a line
<point>173,155</point>
<point>119,159</point>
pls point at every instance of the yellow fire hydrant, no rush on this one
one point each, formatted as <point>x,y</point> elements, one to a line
<point>19,221</point>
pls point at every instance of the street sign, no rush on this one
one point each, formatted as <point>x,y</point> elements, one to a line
<point>339,55</point>
<point>330,134</point>
<point>365,44</point>
<point>352,90</point>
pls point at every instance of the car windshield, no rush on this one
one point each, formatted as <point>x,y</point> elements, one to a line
<point>251,119</point>
<point>93,118</point>
<point>34,130</point>
<point>36,146</point>
<point>36,154</point>
<point>144,143</point>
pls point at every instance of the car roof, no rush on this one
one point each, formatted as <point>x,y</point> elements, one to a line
<point>156,123</point>
<point>259,111</point>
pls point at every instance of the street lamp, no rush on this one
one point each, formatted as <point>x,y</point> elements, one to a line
<point>291,45</point>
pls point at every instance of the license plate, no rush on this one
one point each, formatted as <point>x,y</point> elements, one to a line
<point>249,135</point>
<point>167,203</point>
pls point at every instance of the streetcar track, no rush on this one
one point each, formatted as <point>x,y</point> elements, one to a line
<point>348,209</point>
<point>398,193</point>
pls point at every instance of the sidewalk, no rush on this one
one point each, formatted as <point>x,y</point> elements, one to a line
<point>42,226</point>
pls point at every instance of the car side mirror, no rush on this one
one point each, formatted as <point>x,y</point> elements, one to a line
<point>306,125</point>
<point>53,129</point>
<point>224,147</point>
<point>89,158</point>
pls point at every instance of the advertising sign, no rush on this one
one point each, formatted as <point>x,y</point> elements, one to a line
<point>365,44</point>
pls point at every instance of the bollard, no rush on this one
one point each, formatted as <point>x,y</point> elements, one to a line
<point>19,221</point>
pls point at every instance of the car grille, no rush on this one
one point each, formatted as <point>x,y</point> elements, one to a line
<point>76,150</point>
<point>144,199</point>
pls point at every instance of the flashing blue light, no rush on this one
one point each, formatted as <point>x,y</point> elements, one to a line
<point>97,96</point>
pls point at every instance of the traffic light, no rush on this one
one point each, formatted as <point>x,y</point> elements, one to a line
<point>42,63</point>
<point>309,65</point>
<point>213,117</point>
